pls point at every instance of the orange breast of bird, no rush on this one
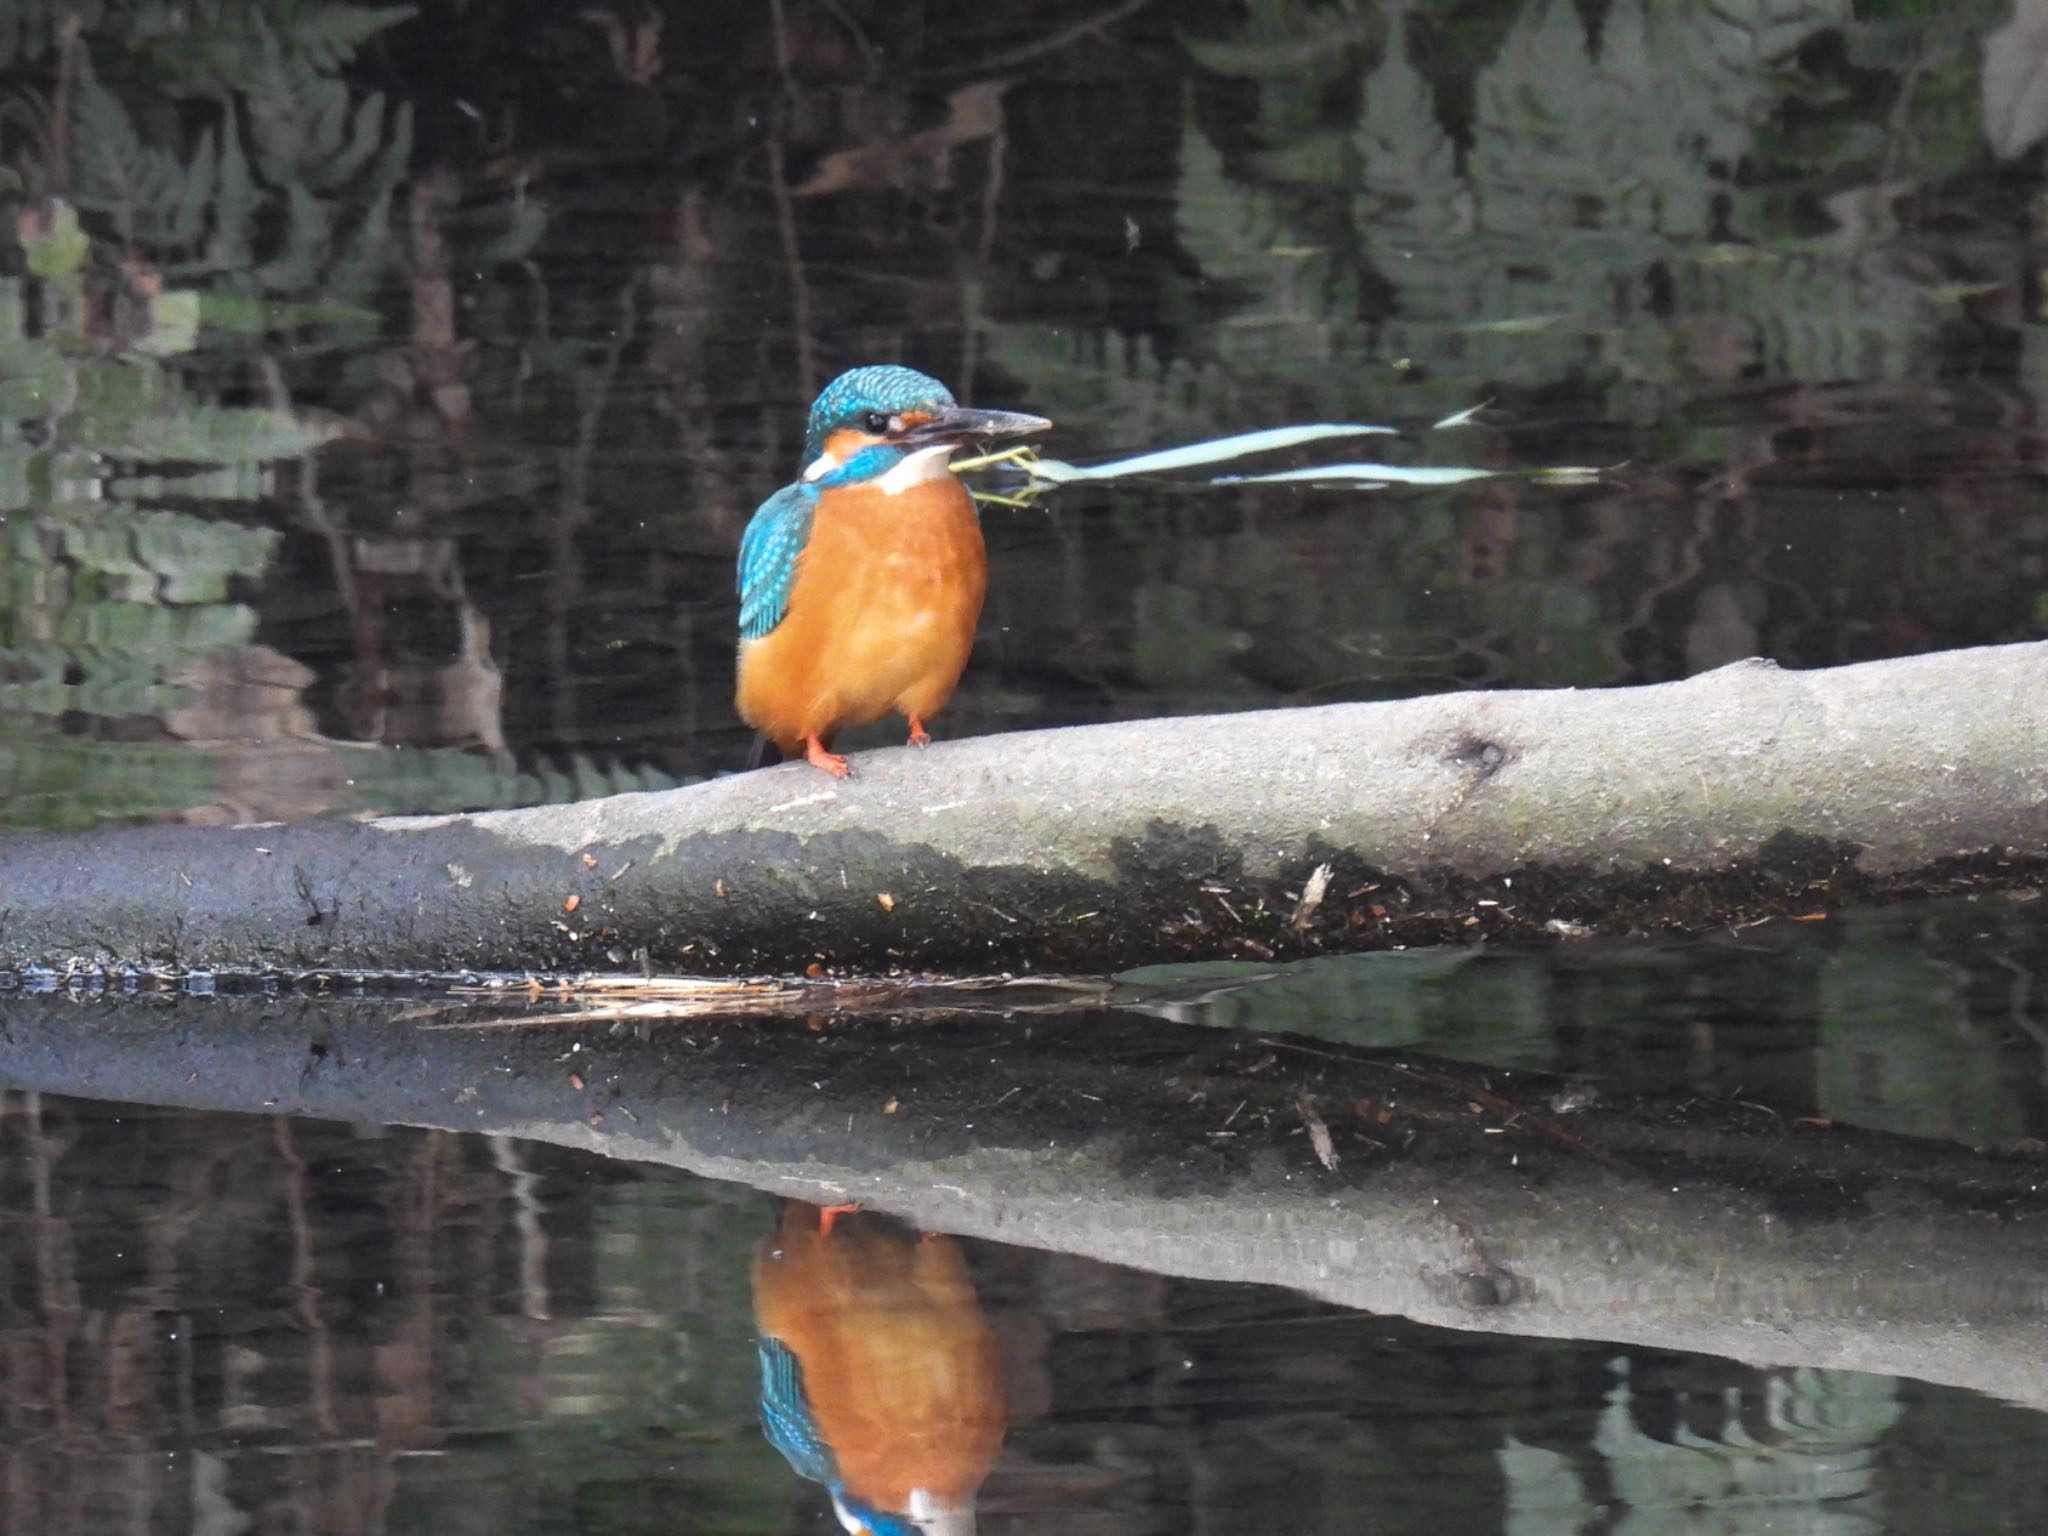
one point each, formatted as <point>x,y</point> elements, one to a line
<point>899,1365</point>
<point>882,614</point>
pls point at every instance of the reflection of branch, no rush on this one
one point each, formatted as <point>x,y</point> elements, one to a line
<point>2019,1007</point>
<point>1052,44</point>
<point>573,511</point>
<point>991,198</point>
<point>56,1267</point>
<point>1707,1225</point>
<point>636,50</point>
<point>779,26</point>
<point>305,1294</point>
<point>510,1156</point>
<point>59,138</point>
<point>367,707</point>
<point>837,12</point>
<point>972,112</point>
<point>1899,124</point>
<point>793,262</point>
<point>1511,1113</point>
<point>405,1365</point>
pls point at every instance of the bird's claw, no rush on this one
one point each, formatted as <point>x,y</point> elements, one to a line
<point>816,755</point>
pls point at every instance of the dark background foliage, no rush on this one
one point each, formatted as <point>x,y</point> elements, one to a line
<point>554,285</point>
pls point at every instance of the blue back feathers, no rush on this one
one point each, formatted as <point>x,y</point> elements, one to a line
<point>880,387</point>
<point>768,552</point>
<point>786,1417</point>
<point>787,1422</point>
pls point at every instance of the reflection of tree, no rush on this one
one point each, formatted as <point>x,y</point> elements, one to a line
<point>320,164</point>
<point>235,185</point>
<point>211,1318</point>
<point>230,1319</point>
<point>1808,1441</point>
<point>571,387</point>
<point>1690,219</point>
<point>108,597</point>
<point>1928,1021</point>
<point>1624,207</point>
<point>244,222</point>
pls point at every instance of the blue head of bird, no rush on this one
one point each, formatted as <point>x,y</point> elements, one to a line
<point>870,421</point>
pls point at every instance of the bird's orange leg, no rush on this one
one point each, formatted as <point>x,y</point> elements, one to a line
<point>919,736</point>
<point>816,755</point>
<point>827,1214</point>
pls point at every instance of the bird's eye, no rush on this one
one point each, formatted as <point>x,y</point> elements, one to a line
<point>875,422</point>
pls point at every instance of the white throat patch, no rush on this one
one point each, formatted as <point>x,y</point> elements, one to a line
<point>924,465</point>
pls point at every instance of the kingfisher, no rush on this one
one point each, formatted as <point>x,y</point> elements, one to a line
<point>879,1373</point>
<point>860,583</point>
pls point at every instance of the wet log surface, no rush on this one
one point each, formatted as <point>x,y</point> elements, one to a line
<point>1744,792</point>
<point>1456,1195</point>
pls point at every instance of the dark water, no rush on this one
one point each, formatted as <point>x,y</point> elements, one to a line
<point>254,1322</point>
<point>1927,1020</point>
<point>220,1322</point>
<point>567,281</point>
<point>386,443</point>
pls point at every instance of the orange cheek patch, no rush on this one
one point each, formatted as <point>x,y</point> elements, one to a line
<point>845,443</point>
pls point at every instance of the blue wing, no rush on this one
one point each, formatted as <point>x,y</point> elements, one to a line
<point>768,551</point>
<point>786,1417</point>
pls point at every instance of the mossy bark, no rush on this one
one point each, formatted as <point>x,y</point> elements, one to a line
<point>1742,792</point>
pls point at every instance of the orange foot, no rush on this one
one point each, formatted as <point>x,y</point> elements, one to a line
<point>919,736</point>
<point>827,1214</point>
<point>816,755</point>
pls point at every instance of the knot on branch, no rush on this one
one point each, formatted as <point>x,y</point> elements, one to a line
<point>1490,1286</point>
<point>1478,754</point>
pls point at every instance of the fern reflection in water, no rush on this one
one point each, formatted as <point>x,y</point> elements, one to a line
<point>120,625</point>
<point>1685,233</point>
<point>1641,206</point>
<point>214,153</point>
<point>106,597</point>
<point>1809,1452</point>
<point>228,190</point>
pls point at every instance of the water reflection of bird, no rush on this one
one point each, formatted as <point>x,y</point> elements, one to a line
<point>861,583</point>
<point>879,1374</point>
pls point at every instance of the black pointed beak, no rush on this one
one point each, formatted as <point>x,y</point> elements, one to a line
<point>966,423</point>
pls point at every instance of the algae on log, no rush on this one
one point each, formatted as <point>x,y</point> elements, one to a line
<point>1740,792</point>
<point>1471,1197</point>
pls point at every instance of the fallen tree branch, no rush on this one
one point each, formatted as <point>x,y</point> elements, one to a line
<point>1748,791</point>
<point>1476,1198</point>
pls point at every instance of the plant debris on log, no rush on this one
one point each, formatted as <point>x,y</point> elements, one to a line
<point>1743,793</point>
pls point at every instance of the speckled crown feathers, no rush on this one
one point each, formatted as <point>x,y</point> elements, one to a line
<point>876,387</point>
